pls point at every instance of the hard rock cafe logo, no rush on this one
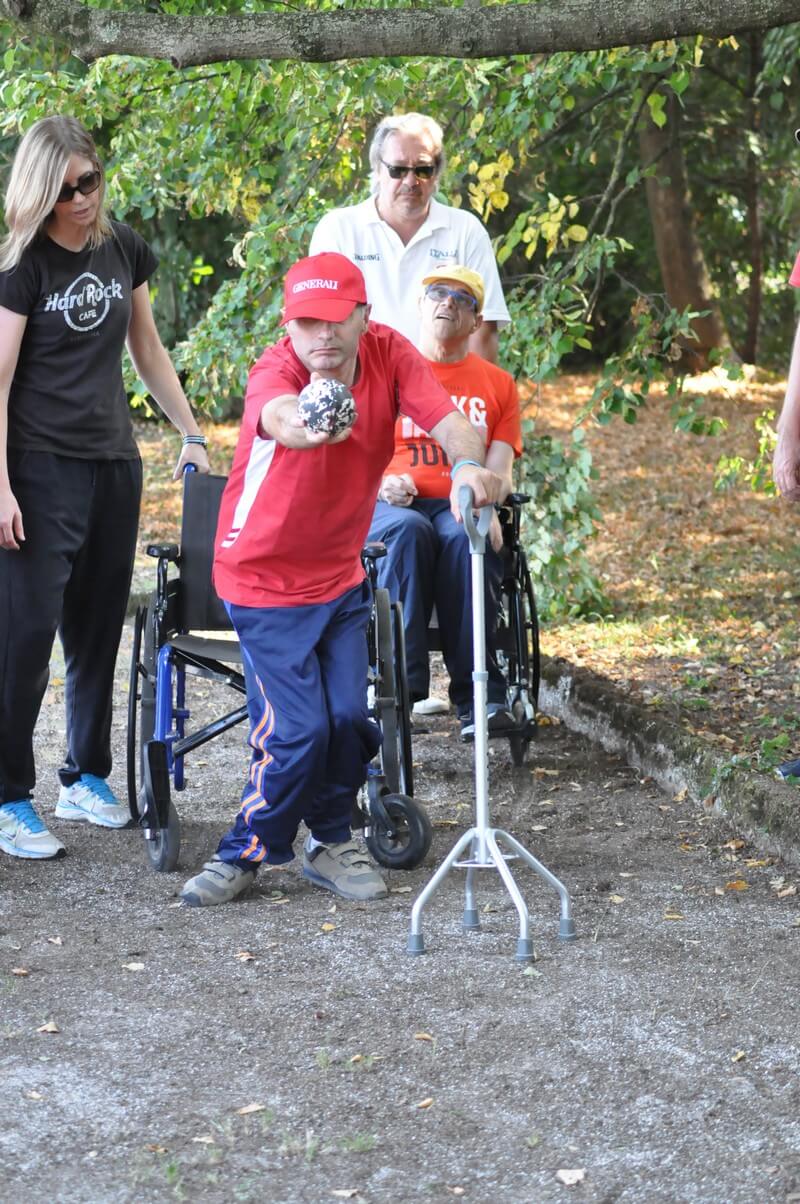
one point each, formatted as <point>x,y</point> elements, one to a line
<point>85,303</point>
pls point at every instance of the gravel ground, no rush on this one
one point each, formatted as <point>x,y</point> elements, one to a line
<point>286,1048</point>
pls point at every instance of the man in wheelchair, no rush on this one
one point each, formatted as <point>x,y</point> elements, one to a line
<point>293,519</point>
<point>428,559</point>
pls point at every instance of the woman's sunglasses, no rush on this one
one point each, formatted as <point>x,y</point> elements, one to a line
<point>423,171</point>
<point>86,185</point>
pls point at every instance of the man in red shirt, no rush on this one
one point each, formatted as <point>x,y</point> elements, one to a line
<point>293,520</point>
<point>428,552</point>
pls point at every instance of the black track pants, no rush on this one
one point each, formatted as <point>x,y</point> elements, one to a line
<point>72,573</point>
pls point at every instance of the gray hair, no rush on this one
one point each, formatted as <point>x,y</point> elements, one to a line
<point>37,175</point>
<point>405,123</point>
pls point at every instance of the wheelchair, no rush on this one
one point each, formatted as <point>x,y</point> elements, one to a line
<point>184,632</point>
<point>517,635</point>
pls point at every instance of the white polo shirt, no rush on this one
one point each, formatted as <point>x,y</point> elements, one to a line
<point>394,272</point>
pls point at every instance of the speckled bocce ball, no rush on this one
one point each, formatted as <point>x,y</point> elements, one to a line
<point>327,407</point>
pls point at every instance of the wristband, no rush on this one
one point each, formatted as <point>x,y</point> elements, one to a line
<point>198,439</point>
<point>462,464</point>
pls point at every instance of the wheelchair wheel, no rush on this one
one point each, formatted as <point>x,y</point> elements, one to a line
<point>141,704</point>
<point>403,702</point>
<point>524,662</point>
<point>163,850</point>
<point>391,702</point>
<point>412,834</point>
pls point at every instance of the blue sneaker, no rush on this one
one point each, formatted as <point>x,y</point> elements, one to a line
<point>92,799</point>
<point>22,833</point>
<point>789,769</point>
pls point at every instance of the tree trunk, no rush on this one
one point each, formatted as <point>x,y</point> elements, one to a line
<point>312,35</point>
<point>752,198</point>
<point>680,256</point>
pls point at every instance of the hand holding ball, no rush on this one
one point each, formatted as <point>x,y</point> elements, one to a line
<point>327,407</point>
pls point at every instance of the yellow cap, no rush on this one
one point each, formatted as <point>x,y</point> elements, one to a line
<point>455,271</point>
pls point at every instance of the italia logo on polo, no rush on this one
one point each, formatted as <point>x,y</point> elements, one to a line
<point>302,285</point>
<point>85,302</point>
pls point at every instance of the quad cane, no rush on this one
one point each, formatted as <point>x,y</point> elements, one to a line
<point>485,853</point>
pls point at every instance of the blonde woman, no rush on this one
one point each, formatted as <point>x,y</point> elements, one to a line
<point>73,293</point>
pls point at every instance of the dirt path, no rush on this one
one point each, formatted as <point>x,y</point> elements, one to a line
<point>657,1054</point>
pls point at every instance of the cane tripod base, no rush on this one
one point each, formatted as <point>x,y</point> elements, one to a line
<point>487,855</point>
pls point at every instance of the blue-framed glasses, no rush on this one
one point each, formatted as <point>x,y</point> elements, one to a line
<point>440,292</point>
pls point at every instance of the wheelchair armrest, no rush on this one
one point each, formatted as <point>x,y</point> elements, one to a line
<point>165,551</point>
<point>373,551</point>
<point>517,499</point>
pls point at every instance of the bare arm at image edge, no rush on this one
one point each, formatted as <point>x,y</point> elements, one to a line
<point>12,328</point>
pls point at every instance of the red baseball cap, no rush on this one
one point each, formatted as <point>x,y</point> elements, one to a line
<point>326,286</point>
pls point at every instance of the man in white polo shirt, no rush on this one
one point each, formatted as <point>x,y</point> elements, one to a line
<point>401,234</point>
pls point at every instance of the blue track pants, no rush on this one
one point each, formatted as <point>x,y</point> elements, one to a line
<point>428,562</point>
<point>311,735</point>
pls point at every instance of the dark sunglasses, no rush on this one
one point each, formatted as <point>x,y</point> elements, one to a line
<point>86,185</point>
<point>440,292</point>
<point>423,171</point>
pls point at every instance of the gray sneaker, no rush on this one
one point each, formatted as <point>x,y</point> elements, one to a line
<point>218,882</point>
<point>345,869</point>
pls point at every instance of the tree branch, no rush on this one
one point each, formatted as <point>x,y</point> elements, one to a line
<point>487,31</point>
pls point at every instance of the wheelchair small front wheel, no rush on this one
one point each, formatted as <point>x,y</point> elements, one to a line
<point>406,847</point>
<point>164,848</point>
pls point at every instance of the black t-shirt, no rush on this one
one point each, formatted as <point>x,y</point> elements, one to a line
<point>67,394</point>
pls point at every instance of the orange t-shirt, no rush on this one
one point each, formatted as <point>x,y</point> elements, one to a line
<point>486,395</point>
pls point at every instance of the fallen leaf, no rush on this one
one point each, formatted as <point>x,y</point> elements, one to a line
<point>33,1095</point>
<point>733,844</point>
<point>50,1027</point>
<point>134,967</point>
<point>156,1149</point>
<point>249,1109</point>
<point>757,862</point>
<point>327,927</point>
<point>357,1058</point>
<point>422,1037</point>
<point>547,802</point>
<point>54,940</point>
<point>400,890</point>
<point>718,890</point>
<point>737,884</point>
<point>531,972</point>
<point>739,1056</point>
<point>455,1191</point>
<point>19,972</point>
<point>680,796</point>
<point>623,875</point>
<point>570,1177</point>
<point>243,955</point>
<point>674,915</point>
<point>616,898</point>
<point>538,827</point>
<point>787,892</point>
<point>545,773</point>
<point>425,1103</point>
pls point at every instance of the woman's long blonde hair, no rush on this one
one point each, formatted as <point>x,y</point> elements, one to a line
<point>37,175</point>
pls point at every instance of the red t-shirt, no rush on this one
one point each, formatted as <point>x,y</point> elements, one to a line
<point>484,394</point>
<point>292,523</point>
<point>795,276</point>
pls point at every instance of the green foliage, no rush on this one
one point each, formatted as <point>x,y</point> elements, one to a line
<point>558,523</point>
<point>227,168</point>
<point>757,472</point>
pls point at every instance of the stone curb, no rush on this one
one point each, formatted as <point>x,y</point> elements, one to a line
<point>767,811</point>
